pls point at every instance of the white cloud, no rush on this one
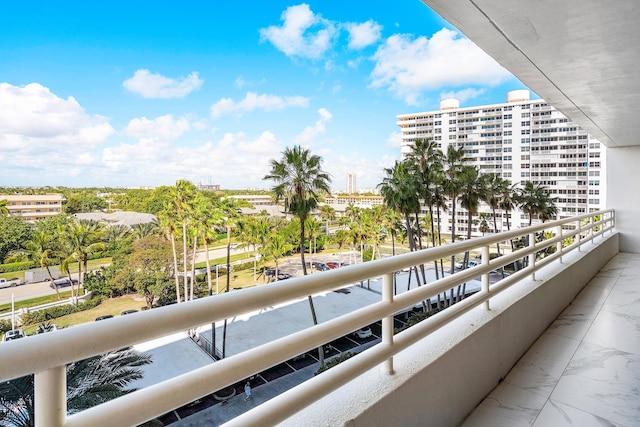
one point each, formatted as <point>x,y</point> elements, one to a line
<point>33,116</point>
<point>395,140</point>
<point>364,34</point>
<point>253,101</point>
<point>463,95</point>
<point>302,34</point>
<point>157,86</point>
<point>408,67</point>
<point>308,135</point>
<point>240,82</point>
<point>163,128</point>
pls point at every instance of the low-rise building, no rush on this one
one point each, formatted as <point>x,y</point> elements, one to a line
<point>33,207</point>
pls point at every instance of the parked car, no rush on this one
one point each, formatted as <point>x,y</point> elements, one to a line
<point>8,283</point>
<point>363,333</point>
<point>106,316</point>
<point>13,334</point>
<point>124,313</point>
<point>63,282</point>
<point>471,263</point>
<point>319,266</point>
<point>333,264</point>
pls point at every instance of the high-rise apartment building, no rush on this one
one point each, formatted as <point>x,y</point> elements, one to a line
<point>351,183</point>
<point>521,140</point>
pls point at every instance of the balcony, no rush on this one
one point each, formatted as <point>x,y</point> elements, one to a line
<point>459,355</point>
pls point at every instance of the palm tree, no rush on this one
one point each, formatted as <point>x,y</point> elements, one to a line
<point>90,382</point>
<point>507,203</point>
<point>300,181</point>
<point>451,185</point>
<point>495,189</point>
<point>4,210</point>
<point>40,250</point>
<point>399,189</point>
<point>168,227</point>
<point>81,238</point>
<point>534,199</point>
<point>183,194</point>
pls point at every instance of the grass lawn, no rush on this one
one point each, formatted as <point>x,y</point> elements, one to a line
<point>113,306</point>
<point>6,308</point>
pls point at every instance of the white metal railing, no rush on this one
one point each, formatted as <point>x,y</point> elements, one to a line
<point>47,354</point>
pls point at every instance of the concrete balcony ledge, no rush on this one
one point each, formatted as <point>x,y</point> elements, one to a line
<point>442,378</point>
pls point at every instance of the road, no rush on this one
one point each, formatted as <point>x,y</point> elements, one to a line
<point>33,290</point>
<point>22,292</point>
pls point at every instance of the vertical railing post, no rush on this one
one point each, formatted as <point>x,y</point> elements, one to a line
<point>592,220</point>
<point>387,322</point>
<point>485,276</point>
<point>559,244</point>
<point>532,256</point>
<point>579,235</point>
<point>50,400</point>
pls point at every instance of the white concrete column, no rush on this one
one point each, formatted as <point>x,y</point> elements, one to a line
<point>50,402</point>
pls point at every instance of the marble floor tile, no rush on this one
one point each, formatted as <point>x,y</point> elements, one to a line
<point>571,326</point>
<point>507,406</point>
<point>606,399</point>
<point>554,347</point>
<point>605,364</point>
<point>631,270</point>
<point>616,330</point>
<point>536,374</point>
<point>603,281</point>
<point>624,299</point>
<point>593,296</point>
<point>556,414</point>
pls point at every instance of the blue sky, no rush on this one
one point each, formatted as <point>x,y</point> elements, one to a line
<point>144,93</point>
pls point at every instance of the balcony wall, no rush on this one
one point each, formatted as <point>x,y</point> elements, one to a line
<point>442,378</point>
<point>623,176</point>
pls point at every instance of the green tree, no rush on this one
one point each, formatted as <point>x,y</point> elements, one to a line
<point>40,250</point>
<point>453,167</point>
<point>14,233</point>
<point>84,202</point>
<point>149,268</point>
<point>90,382</point>
<point>300,181</point>
<point>4,210</point>
<point>81,238</point>
<point>534,199</point>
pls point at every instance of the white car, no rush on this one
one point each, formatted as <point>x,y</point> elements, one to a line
<point>13,334</point>
<point>471,263</point>
<point>363,333</point>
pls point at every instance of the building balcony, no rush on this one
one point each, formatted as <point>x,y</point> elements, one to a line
<point>439,369</point>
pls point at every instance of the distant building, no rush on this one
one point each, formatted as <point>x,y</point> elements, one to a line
<point>352,188</point>
<point>33,207</point>
<point>341,202</point>
<point>118,218</point>
<point>208,187</point>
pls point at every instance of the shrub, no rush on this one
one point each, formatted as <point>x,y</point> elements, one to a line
<point>416,318</point>
<point>16,266</point>
<point>47,314</point>
<point>5,326</point>
<point>336,361</point>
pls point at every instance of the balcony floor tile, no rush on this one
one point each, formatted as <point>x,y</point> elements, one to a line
<point>585,367</point>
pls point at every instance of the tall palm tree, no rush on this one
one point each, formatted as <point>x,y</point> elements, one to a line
<point>183,194</point>
<point>534,199</point>
<point>300,181</point>
<point>81,238</point>
<point>507,203</point>
<point>399,189</point>
<point>40,250</point>
<point>453,162</point>
<point>168,226</point>
<point>495,189</point>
